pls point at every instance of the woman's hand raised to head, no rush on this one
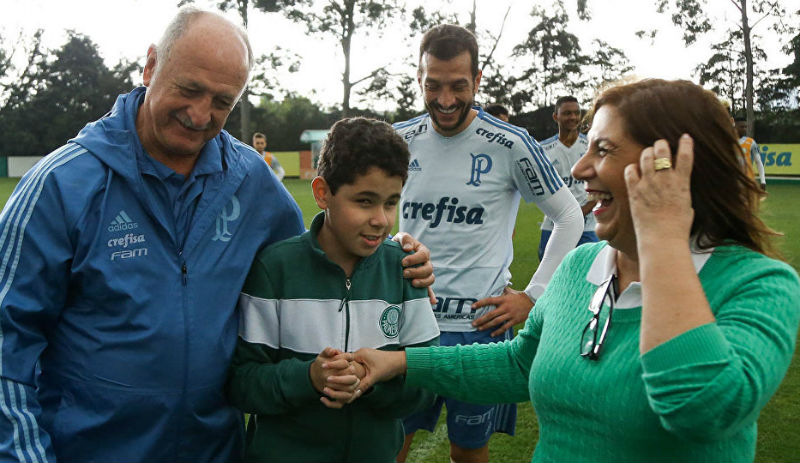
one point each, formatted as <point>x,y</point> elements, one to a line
<point>659,193</point>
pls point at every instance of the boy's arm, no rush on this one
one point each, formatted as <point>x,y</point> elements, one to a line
<point>260,383</point>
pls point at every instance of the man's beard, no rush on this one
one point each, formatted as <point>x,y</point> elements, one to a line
<point>465,108</point>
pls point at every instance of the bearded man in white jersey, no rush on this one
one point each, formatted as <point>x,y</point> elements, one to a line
<point>564,149</point>
<point>467,173</point>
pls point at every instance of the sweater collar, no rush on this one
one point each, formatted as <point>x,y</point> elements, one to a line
<point>605,265</point>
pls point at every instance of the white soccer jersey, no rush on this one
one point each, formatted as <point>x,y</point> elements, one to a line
<point>563,158</point>
<point>461,200</point>
<point>755,156</point>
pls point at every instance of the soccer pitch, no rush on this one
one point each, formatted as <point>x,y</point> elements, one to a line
<point>777,430</point>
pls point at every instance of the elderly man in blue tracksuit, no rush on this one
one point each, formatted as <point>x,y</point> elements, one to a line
<point>123,253</point>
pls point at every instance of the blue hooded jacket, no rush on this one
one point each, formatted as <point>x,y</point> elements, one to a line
<point>116,328</point>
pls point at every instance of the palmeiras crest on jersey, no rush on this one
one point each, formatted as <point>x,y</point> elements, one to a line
<point>481,164</point>
<point>390,321</point>
<point>228,214</point>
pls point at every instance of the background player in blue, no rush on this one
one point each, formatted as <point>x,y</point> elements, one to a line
<point>467,172</point>
<point>564,149</point>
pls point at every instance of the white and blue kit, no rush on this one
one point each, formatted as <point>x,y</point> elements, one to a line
<point>563,157</point>
<point>461,199</point>
<point>121,277</point>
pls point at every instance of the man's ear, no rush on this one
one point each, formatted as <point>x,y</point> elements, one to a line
<point>150,66</point>
<point>478,81</point>
<point>555,117</point>
<point>322,192</point>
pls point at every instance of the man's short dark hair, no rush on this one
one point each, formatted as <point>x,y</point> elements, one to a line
<point>446,41</point>
<point>496,109</point>
<point>356,144</point>
<point>259,135</point>
<point>564,99</point>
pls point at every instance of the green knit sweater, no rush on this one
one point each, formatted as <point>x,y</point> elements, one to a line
<point>695,397</point>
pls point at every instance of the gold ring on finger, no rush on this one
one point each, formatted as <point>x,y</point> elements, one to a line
<point>662,163</point>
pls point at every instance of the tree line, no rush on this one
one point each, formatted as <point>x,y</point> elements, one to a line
<point>48,98</point>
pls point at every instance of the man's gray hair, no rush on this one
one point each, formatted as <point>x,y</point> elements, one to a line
<point>180,24</point>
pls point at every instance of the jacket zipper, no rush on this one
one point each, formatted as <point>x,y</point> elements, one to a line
<point>184,310</point>
<point>346,305</point>
<point>184,271</point>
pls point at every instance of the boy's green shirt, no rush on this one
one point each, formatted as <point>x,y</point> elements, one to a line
<point>296,302</point>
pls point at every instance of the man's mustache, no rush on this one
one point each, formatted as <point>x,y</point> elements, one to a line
<point>186,121</point>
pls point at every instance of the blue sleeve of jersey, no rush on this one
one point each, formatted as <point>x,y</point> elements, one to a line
<point>534,176</point>
<point>36,252</point>
<point>289,220</point>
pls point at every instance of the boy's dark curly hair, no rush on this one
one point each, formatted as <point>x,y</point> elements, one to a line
<point>354,145</point>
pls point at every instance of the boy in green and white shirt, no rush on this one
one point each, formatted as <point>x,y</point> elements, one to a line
<point>340,286</point>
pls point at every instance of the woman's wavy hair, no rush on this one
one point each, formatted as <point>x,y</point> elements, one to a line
<point>724,198</point>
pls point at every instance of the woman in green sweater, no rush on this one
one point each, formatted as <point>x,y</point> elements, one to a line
<point>665,341</point>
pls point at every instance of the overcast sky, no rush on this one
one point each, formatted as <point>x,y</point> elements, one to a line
<point>125,28</point>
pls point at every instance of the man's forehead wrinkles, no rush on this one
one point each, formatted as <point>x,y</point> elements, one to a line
<point>190,83</point>
<point>444,81</point>
<point>197,85</point>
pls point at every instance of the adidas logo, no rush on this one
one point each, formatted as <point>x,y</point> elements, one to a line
<point>122,222</point>
<point>414,166</point>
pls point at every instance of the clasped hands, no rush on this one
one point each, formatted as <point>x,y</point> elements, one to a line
<point>337,376</point>
<point>342,377</point>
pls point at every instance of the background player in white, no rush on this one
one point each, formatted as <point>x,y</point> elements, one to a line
<point>564,149</point>
<point>467,173</point>
<point>260,144</point>
<point>750,153</point>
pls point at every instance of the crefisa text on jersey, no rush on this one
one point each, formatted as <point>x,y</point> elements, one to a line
<point>125,241</point>
<point>435,212</point>
<point>496,137</point>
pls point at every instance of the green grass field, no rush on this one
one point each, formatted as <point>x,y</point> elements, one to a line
<point>778,439</point>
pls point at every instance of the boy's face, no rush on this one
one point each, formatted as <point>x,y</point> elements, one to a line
<point>359,217</point>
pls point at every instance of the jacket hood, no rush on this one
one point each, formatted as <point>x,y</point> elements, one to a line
<point>114,141</point>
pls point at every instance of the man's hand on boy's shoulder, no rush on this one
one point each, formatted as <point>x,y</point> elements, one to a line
<point>417,266</point>
<point>335,377</point>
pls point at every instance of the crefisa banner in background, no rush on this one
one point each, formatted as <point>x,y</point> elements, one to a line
<point>780,159</point>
